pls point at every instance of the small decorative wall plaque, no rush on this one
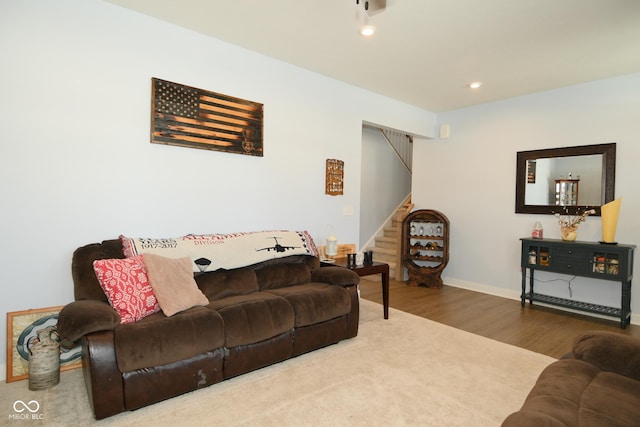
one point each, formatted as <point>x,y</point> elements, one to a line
<point>334,177</point>
<point>189,117</point>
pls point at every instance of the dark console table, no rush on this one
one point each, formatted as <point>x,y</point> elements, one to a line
<point>585,259</point>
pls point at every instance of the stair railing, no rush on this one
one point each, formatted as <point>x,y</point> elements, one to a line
<point>402,145</point>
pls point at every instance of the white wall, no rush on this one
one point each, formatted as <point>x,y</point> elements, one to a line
<point>471,178</point>
<point>76,165</point>
<point>385,183</point>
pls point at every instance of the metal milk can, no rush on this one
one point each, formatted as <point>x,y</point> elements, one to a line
<point>44,359</point>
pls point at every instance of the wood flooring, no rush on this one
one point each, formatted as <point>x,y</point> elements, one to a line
<point>536,328</point>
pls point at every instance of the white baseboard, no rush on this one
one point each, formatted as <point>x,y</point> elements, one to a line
<point>477,287</point>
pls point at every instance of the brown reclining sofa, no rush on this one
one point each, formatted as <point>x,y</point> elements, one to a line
<point>257,315</point>
<point>597,385</point>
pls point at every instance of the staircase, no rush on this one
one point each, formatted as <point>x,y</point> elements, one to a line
<point>388,244</point>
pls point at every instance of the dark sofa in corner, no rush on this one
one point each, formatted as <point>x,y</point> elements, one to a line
<point>258,315</point>
<point>597,385</point>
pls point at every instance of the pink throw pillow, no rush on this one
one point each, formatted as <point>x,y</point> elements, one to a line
<point>126,285</point>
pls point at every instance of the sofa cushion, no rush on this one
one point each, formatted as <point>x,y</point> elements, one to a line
<point>226,283</point>
<point>281,275</point>
<point>611,400</point>
<point>157,340</point>
<point>609,351</point>
<point>172,282</point>
<point>254,317</point>
<point>315,302</point>
<point>127,287</point>
<point>573,392</point>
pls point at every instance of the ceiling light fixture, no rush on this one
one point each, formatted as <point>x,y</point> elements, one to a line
<point>367,30</point>
<point>475,85</point>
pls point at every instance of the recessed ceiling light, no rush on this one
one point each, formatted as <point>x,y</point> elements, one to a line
<point>367,30</point>
<point>475,85</point>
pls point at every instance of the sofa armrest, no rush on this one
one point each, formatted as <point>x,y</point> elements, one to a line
<point>335,275</point>
<point>609,351</point>
<point>83,317</point>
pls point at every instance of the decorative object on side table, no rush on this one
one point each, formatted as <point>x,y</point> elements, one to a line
<point>569,224</point>
<point>610,212</point>
<point>331,250</point>
<point>537,231</point>
<point>351,260</point>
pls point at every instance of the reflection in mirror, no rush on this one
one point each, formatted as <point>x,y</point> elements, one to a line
<point>565,179</point>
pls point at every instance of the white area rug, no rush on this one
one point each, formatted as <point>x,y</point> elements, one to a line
<point>405,371</point>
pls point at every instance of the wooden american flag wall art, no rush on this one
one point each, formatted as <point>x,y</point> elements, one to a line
<point>189,117</point>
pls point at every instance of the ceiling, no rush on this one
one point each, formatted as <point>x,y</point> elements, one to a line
<point>426,52</point>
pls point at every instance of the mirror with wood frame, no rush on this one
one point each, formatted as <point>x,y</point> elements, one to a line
<point>565,180</point>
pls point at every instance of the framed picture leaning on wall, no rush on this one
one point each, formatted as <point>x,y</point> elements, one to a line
<point>23,326</point>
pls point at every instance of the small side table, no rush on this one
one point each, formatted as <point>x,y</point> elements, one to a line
<point>369,269</point>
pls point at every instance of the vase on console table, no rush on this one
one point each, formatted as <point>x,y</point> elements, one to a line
<point>569,224</point>
<point>609,216</point>
<point>569,233</point>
